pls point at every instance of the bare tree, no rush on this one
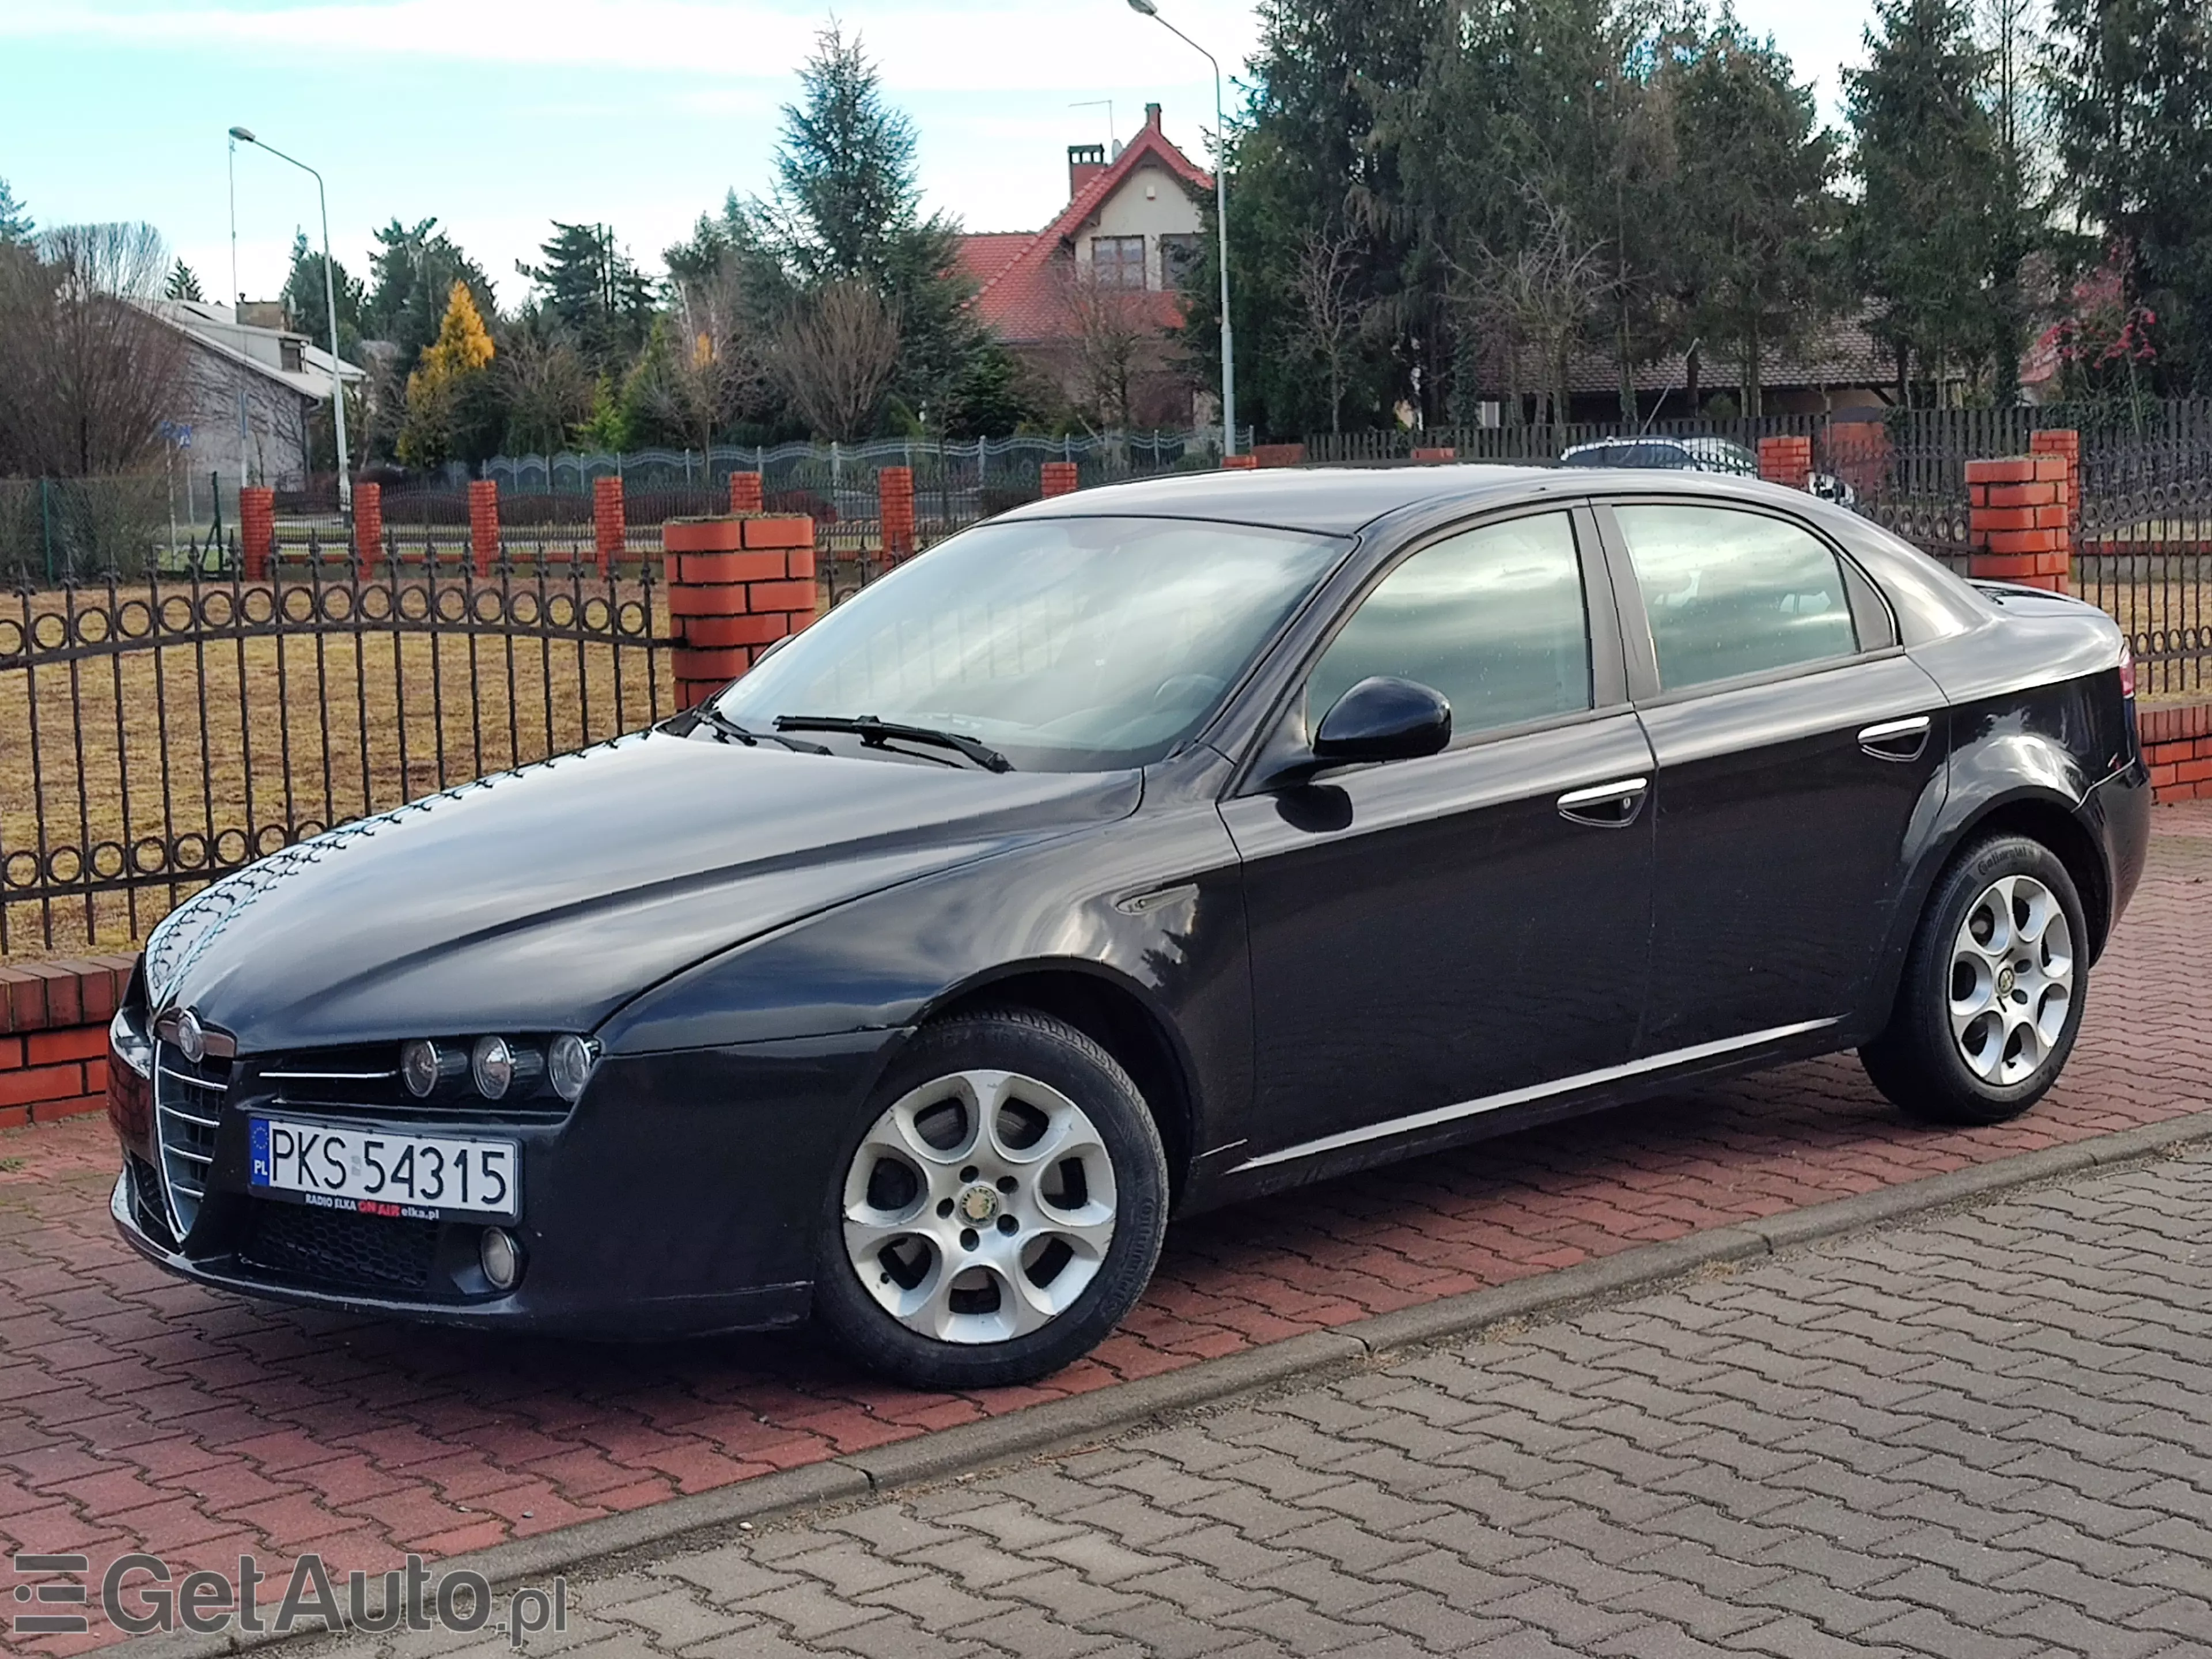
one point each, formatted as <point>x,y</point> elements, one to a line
<point>91,372</point>
<point>834,355</point>
<point>1541,296</point>
<point>1118,345</point>
<point>547,387</point>
<point>1332,315</point>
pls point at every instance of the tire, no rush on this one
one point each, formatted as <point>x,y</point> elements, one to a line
<point>1982,1029</point>
<point>954,1164</point>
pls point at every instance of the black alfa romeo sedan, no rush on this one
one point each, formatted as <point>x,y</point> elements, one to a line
<point>1142,851</point>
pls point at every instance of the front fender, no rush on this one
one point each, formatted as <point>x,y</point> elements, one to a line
<point>1151,905</point>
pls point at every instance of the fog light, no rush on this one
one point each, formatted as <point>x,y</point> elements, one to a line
<point>492,1067</point>
<point>502,1260</point>
<point>568,1065</point>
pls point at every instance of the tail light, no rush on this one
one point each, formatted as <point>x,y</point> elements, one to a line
<point>2127,671</point>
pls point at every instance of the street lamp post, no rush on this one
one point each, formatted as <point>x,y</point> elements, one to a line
<point>331,305</point>
<point>1148,9</point>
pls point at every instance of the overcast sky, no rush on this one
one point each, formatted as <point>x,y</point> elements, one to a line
<point>497,116</point>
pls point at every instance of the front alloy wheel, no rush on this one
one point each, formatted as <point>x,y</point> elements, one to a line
<point>1000,1212</point>
<point>979,1206</point>
<point>1991,999</point>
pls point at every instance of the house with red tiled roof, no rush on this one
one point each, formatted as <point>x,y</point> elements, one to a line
<point>1092,301</point>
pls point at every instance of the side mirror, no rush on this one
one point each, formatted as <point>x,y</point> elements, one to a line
<point>1384,719</point>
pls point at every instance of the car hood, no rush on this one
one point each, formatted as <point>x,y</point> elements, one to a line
<point>543,899</point>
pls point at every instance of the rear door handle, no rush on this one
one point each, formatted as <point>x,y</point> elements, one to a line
<point>1897,741</point>
<point>1606,805</point>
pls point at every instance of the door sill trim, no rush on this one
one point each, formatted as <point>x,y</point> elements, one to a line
<point>1498,1102</point>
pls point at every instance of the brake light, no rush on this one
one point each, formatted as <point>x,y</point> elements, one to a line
<point>2127,671</point>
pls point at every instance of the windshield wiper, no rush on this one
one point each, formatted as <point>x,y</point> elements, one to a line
<point>873,732</point>
<point>715,720</point>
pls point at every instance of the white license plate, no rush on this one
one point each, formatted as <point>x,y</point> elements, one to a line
<point>375,1170</point>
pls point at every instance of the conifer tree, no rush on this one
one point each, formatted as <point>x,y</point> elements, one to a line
<point>448,393</point>
<point>1927,236</point>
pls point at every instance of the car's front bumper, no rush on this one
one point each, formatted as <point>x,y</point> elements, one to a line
<point>684,1194</point>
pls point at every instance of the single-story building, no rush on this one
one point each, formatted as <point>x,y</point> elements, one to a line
<point>249,389</point>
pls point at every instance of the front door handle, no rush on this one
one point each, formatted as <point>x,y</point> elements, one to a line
<point>1606,805</point>
<point>1897,741</point>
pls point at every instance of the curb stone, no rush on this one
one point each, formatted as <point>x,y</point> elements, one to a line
<point>703,1518</point>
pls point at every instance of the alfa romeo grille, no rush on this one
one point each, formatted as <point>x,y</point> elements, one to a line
<point>187,1111</point>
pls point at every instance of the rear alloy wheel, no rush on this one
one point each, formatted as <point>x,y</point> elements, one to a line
<point>1992,993</point>
<point>1000,1211</point>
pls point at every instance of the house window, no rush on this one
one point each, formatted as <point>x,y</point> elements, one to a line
<point>1118,261</point>
<point>1178,259</point>
<point>294,354</point>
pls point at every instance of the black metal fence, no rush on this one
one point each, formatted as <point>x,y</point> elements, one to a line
<point>158,733</point>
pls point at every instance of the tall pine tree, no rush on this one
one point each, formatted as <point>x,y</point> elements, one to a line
<point>595,292</point>
<point>1927,235</point>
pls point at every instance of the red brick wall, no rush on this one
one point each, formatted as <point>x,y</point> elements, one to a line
<point>609,534</point>
<point>1058,479</point>
<point>53,1037</point>
<point>1787,462</point>
<point>735,587</point>
<point>2019,514</point>
<point>484,523</point>
<point>2177,747</point>
<point>367,527</point>
<point>256,531</point>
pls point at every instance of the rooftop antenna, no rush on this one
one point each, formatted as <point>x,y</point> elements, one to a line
<point>1093,103</point>
<point>1661,402</point>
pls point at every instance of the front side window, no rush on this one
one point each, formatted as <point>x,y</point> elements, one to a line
<point>1729,592</point>
<point>1493,618</point>
<point>1069,645</point>
<point>1117,261</point>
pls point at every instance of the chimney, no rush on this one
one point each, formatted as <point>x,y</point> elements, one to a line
<point>1085,163</point>
<point>1152,117</point>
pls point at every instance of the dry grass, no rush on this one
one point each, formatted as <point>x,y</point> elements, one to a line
<point>237,742</point>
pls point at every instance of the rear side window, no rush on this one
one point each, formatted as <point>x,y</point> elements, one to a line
<point>1492,618</point>
<point>1730,592</point>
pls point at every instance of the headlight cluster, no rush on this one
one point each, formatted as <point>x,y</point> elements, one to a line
<point>131,1045</point>
<point>496,1068</point>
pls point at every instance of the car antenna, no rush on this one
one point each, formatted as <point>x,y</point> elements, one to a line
<point>1664,390</point>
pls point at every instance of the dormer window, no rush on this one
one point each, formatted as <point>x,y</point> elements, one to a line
<point>1118,262</point>
<point>293,353</point>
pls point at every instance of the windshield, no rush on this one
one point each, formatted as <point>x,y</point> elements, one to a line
<point>1066,644</point>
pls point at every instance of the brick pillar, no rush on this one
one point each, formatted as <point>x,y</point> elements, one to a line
<point>610,536</point>
<point>1787,462</point>
<point>1247,462</point>
<point>2067,444</point>
<point>746,494</point>
<point>1279,454</point>
<point>1434,452</point>
<point>257,532</point>
<point>2018,521</point>
<point>484,523</point>
<point>735,587</point>
<point>1059,477</point>
<point>367,528</point>
<point>895,504</point>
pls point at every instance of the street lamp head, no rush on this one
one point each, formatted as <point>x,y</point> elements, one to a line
<point>1146,7</point>
<point>245,135</point>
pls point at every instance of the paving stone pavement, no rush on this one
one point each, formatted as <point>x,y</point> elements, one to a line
<point>1987,1433</point>
<point>139,1413</point>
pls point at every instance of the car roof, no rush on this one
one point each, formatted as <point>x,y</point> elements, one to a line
<point>1331,500</point>
<point>1348,501</point>
<point>1343,501</point>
